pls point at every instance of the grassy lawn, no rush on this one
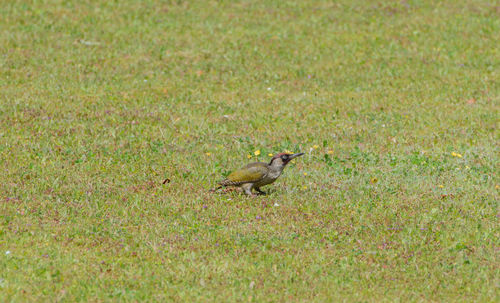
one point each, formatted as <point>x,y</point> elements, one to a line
<point>395,103</point>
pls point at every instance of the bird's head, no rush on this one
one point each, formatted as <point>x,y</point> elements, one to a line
<point>280,160</point>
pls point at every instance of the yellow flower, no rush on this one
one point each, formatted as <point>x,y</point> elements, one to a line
<point>497,186</point>
<point>330,152</point>
<point>257,152</point>
<point>288,152</point>
<point>270,155</point>
<point>208,154</point>
<point>467,166</point>
<point>454,154</point>
<point>249,156</point>
<point>373,180</point>
<point>315,146</point>
<point>305,174</point>
<point>304,187</point>
<point>440,186</point>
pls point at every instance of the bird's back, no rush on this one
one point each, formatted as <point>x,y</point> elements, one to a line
<point>251,173</point>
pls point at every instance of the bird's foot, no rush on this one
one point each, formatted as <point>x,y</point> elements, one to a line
<point>260,192</point>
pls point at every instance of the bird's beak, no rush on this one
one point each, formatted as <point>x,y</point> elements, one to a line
<point>295,155</point>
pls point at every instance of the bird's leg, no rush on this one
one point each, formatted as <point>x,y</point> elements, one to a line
<point>247,188</point>
<point>260,192</point>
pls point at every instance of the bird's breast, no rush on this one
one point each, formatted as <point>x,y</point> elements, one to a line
<point>273,175</point>
<point>269,178</point>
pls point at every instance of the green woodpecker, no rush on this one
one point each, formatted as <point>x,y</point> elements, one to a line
<point>257,174</point>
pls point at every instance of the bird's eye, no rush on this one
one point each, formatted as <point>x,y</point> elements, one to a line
<point>284,157</point>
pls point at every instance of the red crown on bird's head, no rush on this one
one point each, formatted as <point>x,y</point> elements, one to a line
<point>280,155</point>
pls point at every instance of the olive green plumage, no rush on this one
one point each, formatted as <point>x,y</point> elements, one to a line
<point>253,172</point>
<point>257,174</point>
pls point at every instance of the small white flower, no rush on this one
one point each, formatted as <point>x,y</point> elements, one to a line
<point>269,88</point>
<point>7,252</point>
<point>276,204</point>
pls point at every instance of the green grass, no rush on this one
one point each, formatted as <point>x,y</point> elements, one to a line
<point>100,102</point>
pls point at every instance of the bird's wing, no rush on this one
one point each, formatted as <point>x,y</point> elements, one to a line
<point>251,173</point>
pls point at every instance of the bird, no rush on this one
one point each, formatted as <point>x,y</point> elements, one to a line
<point>257,174</point>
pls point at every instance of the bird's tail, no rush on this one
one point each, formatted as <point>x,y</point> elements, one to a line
<point>221,185</point>
<point>226,183</point>
<point>215,189</point>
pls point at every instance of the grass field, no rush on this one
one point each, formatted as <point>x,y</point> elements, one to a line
<point>395,103</point>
